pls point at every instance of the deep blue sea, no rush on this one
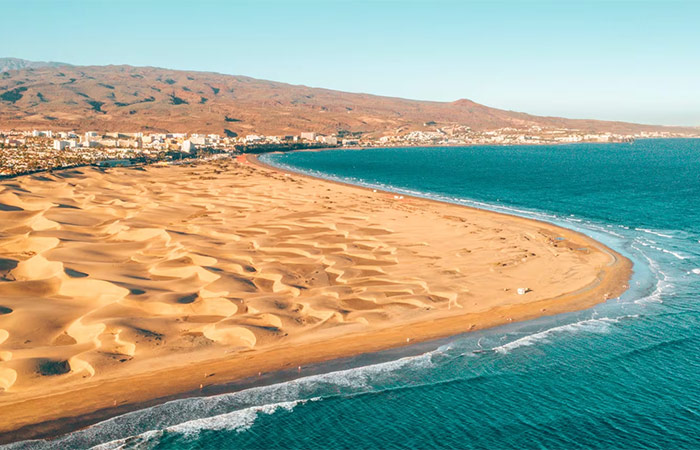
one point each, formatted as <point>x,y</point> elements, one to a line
<point>625,374</point>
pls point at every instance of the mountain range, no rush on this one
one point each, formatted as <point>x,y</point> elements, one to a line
<point>126,98</point>
<point>7,64</point>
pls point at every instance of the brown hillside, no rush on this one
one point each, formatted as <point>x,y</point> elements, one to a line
<point>126,98</point>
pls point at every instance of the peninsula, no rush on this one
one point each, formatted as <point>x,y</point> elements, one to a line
<point>126,285</point>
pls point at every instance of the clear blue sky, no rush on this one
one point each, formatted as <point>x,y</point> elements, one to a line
<point>627,60</point>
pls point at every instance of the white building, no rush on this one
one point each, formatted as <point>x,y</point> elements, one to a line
<point>90,136</point>
<point>60,145</point>
<point>308,136</point>
<point>330,140</point>
<point>187,146</point>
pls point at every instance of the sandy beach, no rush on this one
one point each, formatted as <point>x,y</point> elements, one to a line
<point>126,285</point>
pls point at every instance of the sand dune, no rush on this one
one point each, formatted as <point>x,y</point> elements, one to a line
<point>111,276</point>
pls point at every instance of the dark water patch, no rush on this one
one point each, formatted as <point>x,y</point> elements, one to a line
<point>50,367</point>
<point>188,298</point>
<point>65,206</point>
<point>7,264</point>
<point>74,273</point>
<point>136,291</point>
<point>4,207</point>
<point>5,310</point>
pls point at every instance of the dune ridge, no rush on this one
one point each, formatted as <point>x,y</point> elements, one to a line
<point>219,270</point>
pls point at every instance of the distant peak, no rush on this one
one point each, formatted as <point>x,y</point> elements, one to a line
<point>19,64</point>
<point>464,102</point>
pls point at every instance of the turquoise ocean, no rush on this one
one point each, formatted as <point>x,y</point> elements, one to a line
<point>624,374</point>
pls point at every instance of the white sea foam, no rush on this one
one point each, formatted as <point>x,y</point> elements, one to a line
<point>234,421</point>
<point>234,411</point>
<point>662,283</point>
<point>240,420</point>
<point>652,244</point>
<point>601,325</point>
<point>696,271</point>
<point>654,232</point>
<point>143,441</point>
<point>602,229</point>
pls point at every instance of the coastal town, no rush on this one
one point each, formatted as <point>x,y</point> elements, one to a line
<point>23,152</point>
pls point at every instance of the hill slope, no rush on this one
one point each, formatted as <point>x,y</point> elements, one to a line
<point>129,98</point>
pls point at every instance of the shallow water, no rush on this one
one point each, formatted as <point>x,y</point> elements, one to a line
<point>625,374</point>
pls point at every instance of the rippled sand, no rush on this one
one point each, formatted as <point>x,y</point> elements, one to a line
<point>125,285</point>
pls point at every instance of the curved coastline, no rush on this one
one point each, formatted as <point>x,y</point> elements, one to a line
<point>610,283</point>
<point>255,160</point>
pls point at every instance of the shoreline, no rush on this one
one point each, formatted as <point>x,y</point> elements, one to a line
<point>222,375</point>
<point>255,160</point>
<point>553,144</point>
